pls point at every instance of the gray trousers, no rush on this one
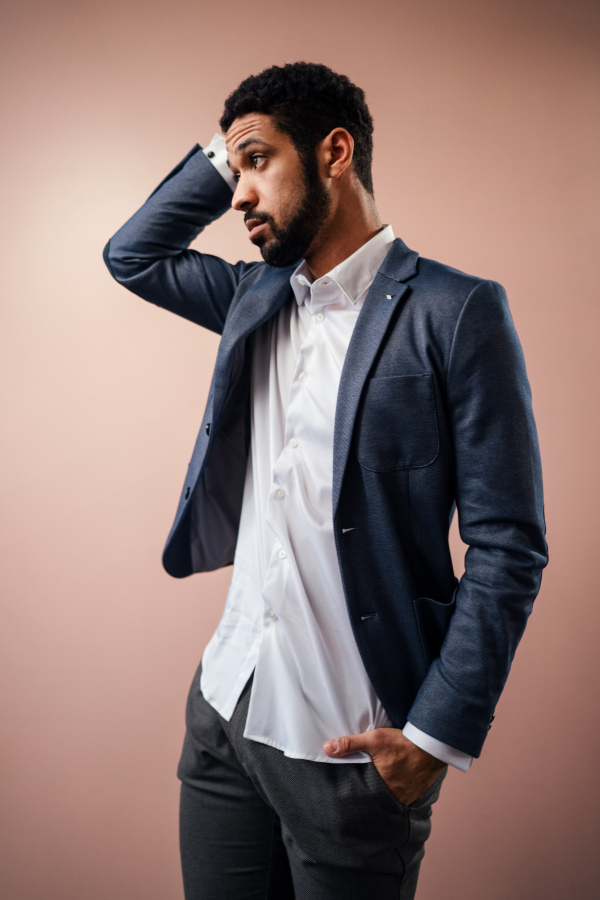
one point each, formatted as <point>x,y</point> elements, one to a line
<point>256,825</point>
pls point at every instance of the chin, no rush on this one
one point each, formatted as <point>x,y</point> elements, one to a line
<point>260,240</point>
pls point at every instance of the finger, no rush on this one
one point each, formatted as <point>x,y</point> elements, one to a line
<point>350,743</point>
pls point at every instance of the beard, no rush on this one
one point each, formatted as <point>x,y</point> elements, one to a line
<point>288,244</point>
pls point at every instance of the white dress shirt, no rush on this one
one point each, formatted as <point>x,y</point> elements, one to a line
<point>285,618</point>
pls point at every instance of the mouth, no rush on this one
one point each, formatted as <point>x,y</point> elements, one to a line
<point>255,226</point>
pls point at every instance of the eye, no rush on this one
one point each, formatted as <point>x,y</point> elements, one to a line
<point>256,159</point>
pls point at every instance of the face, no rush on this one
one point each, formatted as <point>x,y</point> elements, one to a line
<point>282,195</point>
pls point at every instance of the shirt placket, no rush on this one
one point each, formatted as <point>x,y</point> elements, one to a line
<point>283,582</point>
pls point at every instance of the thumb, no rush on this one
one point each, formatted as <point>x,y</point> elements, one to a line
<point>343,746</point>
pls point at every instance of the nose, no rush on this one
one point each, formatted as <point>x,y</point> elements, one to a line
<point>244,196</point>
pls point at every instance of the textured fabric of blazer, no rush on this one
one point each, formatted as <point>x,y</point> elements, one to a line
<point>433,413</point>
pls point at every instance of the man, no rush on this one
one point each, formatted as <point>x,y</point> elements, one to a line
<point>359,393</point>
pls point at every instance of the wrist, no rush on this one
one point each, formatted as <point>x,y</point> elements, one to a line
<point>216,151</point>
<point>425,758</point>
<point>438,749</point>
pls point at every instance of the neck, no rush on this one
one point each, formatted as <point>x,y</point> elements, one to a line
<point>354,222</point>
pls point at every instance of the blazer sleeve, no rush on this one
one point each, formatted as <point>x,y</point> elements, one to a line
<point>501,519</point>
<point>149,255</point>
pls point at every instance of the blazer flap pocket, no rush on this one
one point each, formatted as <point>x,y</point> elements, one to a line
<point>433,617</point>
<point>398,425</point>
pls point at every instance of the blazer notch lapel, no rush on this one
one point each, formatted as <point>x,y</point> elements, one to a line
<point>400,263</point>
<point>259,303</point>
<point>255,306</point>
<point>380,304</point>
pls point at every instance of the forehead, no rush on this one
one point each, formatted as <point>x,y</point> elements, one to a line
<point>252,127</point>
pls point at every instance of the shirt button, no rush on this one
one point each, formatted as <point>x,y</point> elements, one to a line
<point>273,616</point>
<point>319,318</point>
<point>280,494</point>
<point>293,443</point>
<point>282,554</point>
<point>302,376</point>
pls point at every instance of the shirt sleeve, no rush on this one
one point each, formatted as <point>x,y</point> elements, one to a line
<point>441,751</point>
<point>216,151</point>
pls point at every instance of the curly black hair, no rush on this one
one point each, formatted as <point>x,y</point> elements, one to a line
<point>307,101</point>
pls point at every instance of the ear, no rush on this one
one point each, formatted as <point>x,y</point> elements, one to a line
<point>337,150</point>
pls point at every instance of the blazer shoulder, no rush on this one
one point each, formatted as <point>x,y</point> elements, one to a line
<point>447,278</point>
<point>444,288</point>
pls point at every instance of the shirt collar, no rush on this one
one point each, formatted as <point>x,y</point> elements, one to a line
<point>354,275</point>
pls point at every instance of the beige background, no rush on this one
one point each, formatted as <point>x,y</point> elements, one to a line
<point>486,139</point>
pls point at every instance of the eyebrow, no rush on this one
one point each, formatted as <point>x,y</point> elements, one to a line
<point>247,143</point>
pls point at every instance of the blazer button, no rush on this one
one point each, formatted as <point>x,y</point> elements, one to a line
<point>208,427</point>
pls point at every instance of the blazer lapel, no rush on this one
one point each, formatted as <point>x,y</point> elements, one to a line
<point>257,304</point>
<point>386,292</point>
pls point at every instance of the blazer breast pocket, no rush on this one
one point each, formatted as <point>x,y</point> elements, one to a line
<point>398,425</point>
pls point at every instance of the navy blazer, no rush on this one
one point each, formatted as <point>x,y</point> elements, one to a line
<point>433,412</point>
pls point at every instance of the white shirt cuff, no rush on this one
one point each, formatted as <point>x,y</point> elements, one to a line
<point>441,751</point>
<point>217,153</point>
